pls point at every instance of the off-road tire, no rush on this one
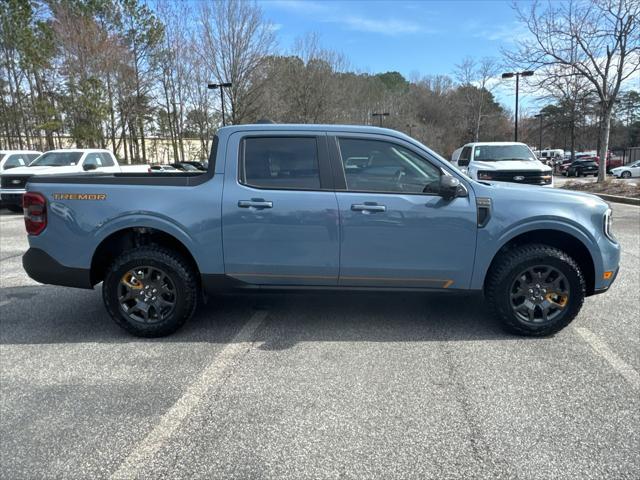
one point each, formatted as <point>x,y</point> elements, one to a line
<point>181,274</point>
<point>510,264</point>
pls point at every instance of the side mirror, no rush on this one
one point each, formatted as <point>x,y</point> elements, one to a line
<point>89,166</point>
<point>450,187</point>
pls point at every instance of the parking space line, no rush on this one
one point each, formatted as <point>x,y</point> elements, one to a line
<point>622,367</point>
<point>4,302</point>
<point>173,418</point>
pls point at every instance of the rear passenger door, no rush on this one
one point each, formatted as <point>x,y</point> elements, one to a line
<point>279,213</point>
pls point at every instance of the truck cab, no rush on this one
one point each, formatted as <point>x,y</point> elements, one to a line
<point>503,162</point>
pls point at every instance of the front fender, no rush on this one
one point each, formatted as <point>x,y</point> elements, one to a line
<point>490,241</point>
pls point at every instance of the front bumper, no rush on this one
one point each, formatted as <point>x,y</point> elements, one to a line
<point>604,288</point>
<point>11,196</point>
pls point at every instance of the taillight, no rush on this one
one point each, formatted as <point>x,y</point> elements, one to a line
<point>35,212</point>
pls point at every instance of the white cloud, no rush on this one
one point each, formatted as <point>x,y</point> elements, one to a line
<point>385,27</point>
<point>332,13</point>
<point>508,33</point>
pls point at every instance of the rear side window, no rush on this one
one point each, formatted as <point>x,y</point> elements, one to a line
<point>280,163</point>
<point>107,161</point>
<point>93,159</point>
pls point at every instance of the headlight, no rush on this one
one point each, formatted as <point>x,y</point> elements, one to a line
<point>484,176</point>
<point>607,225</point>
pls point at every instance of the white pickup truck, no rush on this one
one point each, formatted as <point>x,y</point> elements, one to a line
<point>502,162</point>
<point>63,161</point>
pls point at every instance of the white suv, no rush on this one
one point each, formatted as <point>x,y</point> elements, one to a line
<point>503,162</point>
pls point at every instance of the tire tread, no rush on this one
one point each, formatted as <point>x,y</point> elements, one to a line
<point>174,261</point>
<point>510,260</point>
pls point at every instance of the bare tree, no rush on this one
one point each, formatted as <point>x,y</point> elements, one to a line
<point>475,79</point>
<point>599,40</point>
<point>236,39</point>
<point>571,91</point>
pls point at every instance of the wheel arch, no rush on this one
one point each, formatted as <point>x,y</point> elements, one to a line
<point>131,237</point>
<point>567,242</point>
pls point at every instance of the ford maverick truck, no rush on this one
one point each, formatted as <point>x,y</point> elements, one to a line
<point>318,207</point>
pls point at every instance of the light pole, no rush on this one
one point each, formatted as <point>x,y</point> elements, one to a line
<point>410,126</point>
<point>220,86</point>
<point>526,73</point>
<point>540,116</point>
<point>380,115</point>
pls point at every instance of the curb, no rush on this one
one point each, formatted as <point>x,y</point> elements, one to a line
<point>618,198</point>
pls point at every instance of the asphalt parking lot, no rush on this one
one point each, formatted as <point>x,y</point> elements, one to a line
<point>317,386</point>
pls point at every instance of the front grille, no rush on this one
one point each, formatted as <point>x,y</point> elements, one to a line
<point>14,181</point>
<point>530,177</point>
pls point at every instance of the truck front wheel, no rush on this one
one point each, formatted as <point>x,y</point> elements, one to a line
<point>150,291</point>
<point>535,290</point>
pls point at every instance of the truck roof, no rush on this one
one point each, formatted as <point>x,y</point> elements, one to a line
<point>11,152</point>
<point>81,150</point>
<point>312,127</point>
<point>484,144</point>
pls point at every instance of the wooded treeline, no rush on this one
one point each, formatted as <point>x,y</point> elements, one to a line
<point>114,73</point>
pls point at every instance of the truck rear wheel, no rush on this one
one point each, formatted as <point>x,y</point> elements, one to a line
<point>150,291</point>
<point>535,290</point>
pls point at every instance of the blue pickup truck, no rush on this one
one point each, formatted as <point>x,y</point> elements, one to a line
<point>317,207</point>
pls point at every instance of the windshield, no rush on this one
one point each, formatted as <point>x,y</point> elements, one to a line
<point>57,159</point>
<point>498,153</point>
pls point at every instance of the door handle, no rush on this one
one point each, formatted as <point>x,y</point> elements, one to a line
<point>257,203</point>
<point>367,207</point>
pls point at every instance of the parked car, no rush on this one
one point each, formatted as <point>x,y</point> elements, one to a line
<point>318,207</point>
<point>10,159</point>
<point>456,155</point>
<point>185,167</point>
<point>199,165</point>
<point>12,182</point>
<point>163,168</point>
<point>17,158</point>
<point>503,162</point>
<point>582,168</point>
<point>627,171</point>
<point>552,156</point>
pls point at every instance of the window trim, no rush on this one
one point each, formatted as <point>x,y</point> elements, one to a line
<point>324,171</point>
<point>467,160</point>
<point>340,163</point>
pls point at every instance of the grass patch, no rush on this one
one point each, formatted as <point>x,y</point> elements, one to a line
<point>609,187</point>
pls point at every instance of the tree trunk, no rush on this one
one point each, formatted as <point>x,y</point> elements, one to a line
<point>605,128</point>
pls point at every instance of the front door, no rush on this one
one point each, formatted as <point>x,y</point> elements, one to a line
<point>396,231</point>
<point>280,214</point>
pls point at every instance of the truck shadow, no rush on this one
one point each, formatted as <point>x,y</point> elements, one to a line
<point>46,314</point>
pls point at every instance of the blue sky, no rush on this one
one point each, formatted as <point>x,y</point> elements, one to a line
<point>426,37</point>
